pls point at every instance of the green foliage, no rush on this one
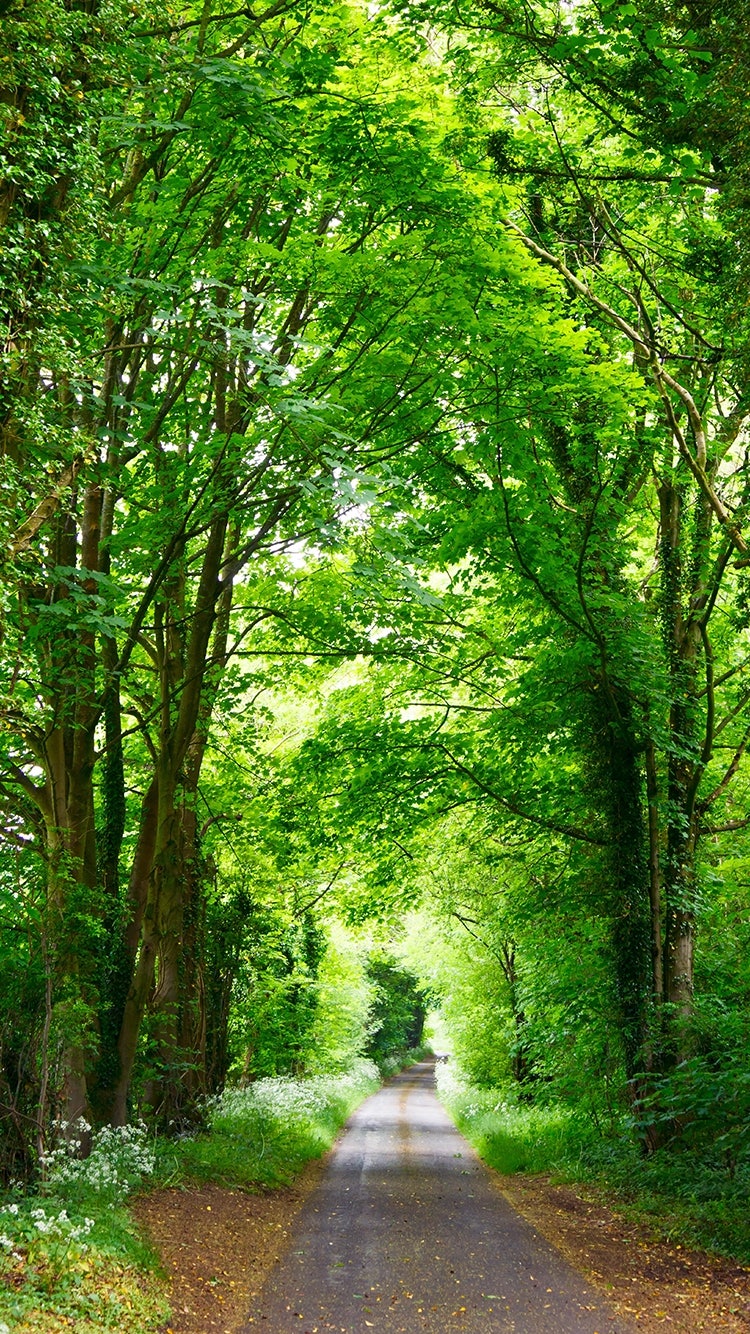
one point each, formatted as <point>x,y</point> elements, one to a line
<point>22,1005</point>
<point>108,1281</point>
<point>280,985</point>
<point>511,1137</point>
<point>472,994</point>
<point>343,1016</point>
<point>398,1010</point>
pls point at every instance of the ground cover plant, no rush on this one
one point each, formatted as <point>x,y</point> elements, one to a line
<point>70,1250</point>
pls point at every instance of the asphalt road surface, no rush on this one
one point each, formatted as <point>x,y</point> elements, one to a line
<point>407,1231</point>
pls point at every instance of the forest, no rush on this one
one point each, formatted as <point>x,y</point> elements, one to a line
<point>375,540</point>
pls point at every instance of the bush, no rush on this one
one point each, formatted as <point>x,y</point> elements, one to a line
<point>391,1065</point>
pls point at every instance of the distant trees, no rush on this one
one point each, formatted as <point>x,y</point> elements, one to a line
<point>398,1012</point>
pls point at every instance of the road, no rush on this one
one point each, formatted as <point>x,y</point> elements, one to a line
<point>408,1232</point>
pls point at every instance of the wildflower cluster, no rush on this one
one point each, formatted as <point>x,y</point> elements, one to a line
<point>45,1238</point>
<point>267,1131</point>
<point>291,1101</point>
<point>120,1158</point>
<point>451,1084</point>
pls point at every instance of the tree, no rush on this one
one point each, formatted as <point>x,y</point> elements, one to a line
<point>310,361</point>
<point>616,179</point>
<point>211,402</point>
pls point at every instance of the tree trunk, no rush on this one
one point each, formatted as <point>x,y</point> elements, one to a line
<point>187,693</point>
<point>654,869</point>
<point>68,756</point>
<point>71,864</point>
<point>618,786</point>
<point>178,1001</point>
<point>520,1063</point>
<point>682,631</point>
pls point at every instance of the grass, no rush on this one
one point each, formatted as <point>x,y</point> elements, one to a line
<point>689,1195</point>
<point>86,1266</point>
<point>509,1137</point>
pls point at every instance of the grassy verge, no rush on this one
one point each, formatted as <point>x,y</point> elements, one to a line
<point>691,1196</point>
<point>263,1134</point>
<point>71,1255</point>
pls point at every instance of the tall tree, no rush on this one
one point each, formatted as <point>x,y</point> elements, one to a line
<point>243,353</point>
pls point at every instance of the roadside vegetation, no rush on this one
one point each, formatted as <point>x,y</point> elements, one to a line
<point>261,1135</point>
<point>69,1247</point>
<point>691,1194</point>
<point>70,1250</point>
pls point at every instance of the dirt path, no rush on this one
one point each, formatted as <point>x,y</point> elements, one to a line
<point>657,1285</point>
<point>222,1246</point>
<point>217,1247</point>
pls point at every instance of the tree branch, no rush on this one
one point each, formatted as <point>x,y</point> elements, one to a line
<point>509,804</point>
<point>662,378</point>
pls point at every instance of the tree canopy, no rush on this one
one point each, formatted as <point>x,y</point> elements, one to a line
<point>375,548</point>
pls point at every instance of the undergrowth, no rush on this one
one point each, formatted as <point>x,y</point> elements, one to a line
<point>261,1135</point>
<point>70,1252</point>
<point>689,1193</point>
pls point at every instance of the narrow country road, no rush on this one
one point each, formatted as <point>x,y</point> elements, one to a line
<point>408,1232</point>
